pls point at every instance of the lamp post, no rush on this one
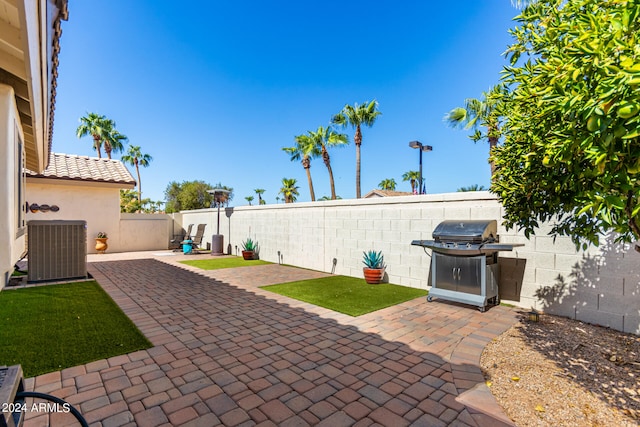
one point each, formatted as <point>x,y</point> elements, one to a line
<point>217,240</point>
<point>418,144</point>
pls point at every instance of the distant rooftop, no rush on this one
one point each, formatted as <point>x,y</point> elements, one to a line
<point>83,168</point>
<point>385,193</point>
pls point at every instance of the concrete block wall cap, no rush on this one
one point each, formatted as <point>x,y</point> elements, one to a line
<point>423,198</point>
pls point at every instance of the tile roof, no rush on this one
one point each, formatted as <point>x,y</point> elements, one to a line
<point>83,168</point>
<point>385,193</point>
<point>63,14</point>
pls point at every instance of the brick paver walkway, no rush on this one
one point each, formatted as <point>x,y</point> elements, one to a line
<point>228,353</point>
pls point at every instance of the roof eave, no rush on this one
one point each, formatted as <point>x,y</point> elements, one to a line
<point>40,31</point>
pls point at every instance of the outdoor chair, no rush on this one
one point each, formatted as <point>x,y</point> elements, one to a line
<point>196,240</point>
<point>175,243</point>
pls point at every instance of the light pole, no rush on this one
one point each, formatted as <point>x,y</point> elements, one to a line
<point>217,240</point>
<point>418,144</point>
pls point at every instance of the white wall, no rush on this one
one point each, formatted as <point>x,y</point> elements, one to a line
<point>142,232</point>
<point>601,285</point>
<point>12,242</point>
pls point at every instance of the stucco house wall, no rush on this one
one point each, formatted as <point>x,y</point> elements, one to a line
<point>29,47</point>
<point>99,205</point>
<point>11,184</point>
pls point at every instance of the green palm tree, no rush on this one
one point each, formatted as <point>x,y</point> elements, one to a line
<point>260,192</point>
<point>113,140</point>
<point>387,184</point>
<point>480,113</point>
<point>289,190</point>
<point>413,177</point>
<point>95,125</point>
<point>249,199</point>
<point>304,149</point>
<point>134,157</point>
<point>327,137</point>
<point>357,116</point>
<point>474,187</point>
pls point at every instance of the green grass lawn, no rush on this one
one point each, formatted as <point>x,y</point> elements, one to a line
<point>346,295</point>
<point>226,262</point>
<point>49,328</point>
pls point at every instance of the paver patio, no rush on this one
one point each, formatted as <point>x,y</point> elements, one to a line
<point>228,353</point>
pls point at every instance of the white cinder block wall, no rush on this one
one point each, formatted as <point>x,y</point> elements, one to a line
<point>600,285</point>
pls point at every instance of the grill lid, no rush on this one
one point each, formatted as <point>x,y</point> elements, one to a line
<point>474,231</point>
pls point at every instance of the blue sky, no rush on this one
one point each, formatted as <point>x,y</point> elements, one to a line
<point>213,90</point>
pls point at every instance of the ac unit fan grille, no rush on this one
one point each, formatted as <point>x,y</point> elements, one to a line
<point>57,250</point>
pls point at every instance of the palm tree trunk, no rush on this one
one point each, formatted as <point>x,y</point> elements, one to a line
<point>306,163</point>
<point>357,139</point>
<point>107,149</point>
<point>327,163</point>
<point>96,143</point>
<point>139,184</point>
<point>332,183</point>
<point>313,194</point>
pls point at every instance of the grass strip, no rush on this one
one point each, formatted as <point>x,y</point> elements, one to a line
<point>347,295</point>
<point>226,262</point>
<point>49,328</point>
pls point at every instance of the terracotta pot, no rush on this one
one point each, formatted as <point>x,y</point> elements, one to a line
<point>373,276</point>
<point>247,255</point>
<point>101,244</point>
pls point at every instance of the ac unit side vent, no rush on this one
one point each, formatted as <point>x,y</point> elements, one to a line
<point>57,250</point>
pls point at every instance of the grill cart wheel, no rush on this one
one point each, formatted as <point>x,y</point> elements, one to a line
<point>429,298</point>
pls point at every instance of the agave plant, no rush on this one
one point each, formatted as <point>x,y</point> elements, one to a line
<point>373,259</point>
<point>249,245</point>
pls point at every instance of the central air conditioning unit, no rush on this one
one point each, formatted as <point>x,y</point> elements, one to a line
<point>57,250</point>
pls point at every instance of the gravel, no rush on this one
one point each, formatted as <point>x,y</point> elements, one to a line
<point>562,372</point>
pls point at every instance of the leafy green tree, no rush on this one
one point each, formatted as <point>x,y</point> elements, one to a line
<point>387,184</point>
<point>136,158</point>
<point>289,190</point>
<point>413,177</point>
<point>304,149</point>
<point>150,206</point>
<point>95,125</point>
<point>474,187</point>
<point>357,116</point>
<point>323,138</point>
<point>188,195</point>
<point>129,201</point>
<point>571,152</point>
<point>481,113</point>
<point>249,199</point>
<point>260,192</point>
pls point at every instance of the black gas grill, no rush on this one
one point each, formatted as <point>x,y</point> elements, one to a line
<point>464,261</point>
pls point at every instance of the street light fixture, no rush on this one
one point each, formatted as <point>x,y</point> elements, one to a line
<point>418,144</point>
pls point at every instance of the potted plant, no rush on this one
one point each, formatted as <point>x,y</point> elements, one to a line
<point>249,249</point>
<point>101,242</point>
<point>374,267</point>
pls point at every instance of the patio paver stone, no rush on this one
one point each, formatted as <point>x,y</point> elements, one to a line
<point>229,353</point>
